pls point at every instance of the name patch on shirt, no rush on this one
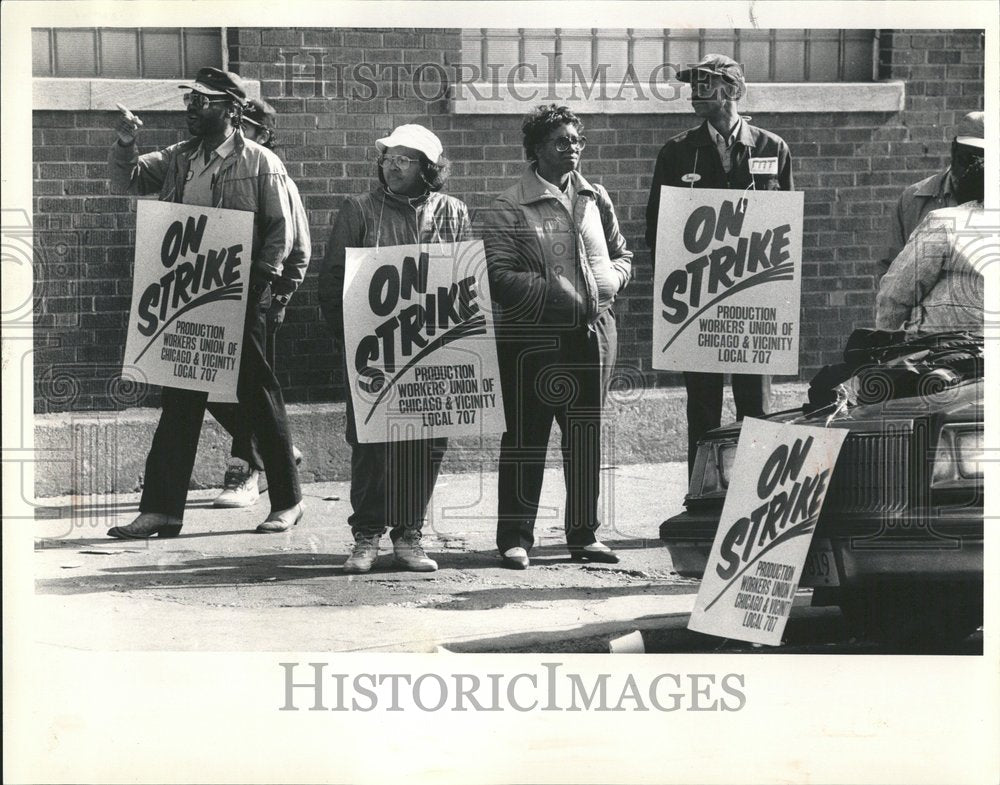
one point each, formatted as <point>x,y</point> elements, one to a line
<point>764,165</point>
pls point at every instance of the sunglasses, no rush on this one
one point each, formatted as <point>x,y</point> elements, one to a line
<point>401,162</point>
<point>199,101</point>
<point>563,143</point>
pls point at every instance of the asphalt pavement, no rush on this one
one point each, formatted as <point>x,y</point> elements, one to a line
<point>220,586</point>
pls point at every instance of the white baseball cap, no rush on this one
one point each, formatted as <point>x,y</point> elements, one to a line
<point>415,137</point>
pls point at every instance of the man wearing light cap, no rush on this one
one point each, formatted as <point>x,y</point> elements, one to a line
<point>216,167</point>
<point>935,283</point>
<point>717,154</point>
<point>948,188</point>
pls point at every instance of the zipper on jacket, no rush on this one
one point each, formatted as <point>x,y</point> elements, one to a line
<point>593,296</point>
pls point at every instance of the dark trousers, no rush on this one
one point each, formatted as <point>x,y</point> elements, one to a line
<point>246,448</point>
<point>245,445</point>
<point>175,443</point>
<point>561,375</point>
<point>751,394</point>
<point>391,482</point>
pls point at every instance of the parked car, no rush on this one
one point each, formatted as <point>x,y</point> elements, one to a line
<point>899,543</point>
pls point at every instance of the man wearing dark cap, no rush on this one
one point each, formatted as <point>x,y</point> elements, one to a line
<point>954,185</point>
<point>216,167</point>
<point>717,154</point>
<point>935,283</point>
<point>242,479</point>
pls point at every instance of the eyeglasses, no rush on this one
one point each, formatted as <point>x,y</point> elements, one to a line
<point>200,101</point>
<point>401,162</point>
<point>563,143</point>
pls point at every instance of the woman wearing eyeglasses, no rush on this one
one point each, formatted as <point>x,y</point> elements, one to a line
<point>557,260</point>
<point>391,483</point>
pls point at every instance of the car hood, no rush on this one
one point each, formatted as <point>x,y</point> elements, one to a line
<point>961,403</point>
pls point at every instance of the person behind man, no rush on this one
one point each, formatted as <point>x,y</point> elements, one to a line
<point>242,481</point>
<point>391,482</point>
<point>717,154</point>
<point>954,185</point>
<point>217,167</point>
<point>935,284</point>
<point>556,262</point>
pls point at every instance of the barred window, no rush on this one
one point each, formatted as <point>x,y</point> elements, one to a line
<point>124,52</point>
<point>560,54</point>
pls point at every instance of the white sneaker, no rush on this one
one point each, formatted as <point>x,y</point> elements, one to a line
<point>241,489</point>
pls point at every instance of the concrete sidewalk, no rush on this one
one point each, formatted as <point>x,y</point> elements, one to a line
<point>222,587</point>
<point>105,452</point>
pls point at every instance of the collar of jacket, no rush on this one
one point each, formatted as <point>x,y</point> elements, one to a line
<point>937,185</point>
<point>531,189</point>
<point>189,146</point>
<point>702,137</point>
<point>399,200</point>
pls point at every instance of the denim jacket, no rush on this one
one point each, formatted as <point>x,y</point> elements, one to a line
<point>250,178</point>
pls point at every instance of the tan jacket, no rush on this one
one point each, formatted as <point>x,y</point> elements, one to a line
<point>936,282</point>
<point>931,193</point>
<point>251,178</point>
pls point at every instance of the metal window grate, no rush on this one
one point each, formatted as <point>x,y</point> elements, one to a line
<point>125,52</point>
<point>559,54</point>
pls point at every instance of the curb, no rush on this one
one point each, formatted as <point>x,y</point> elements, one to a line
<point>83,453</point>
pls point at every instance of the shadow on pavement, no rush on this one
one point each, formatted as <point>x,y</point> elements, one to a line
<point>486,599</point>
<point>196,573</point>
<point>100,509</point>
<point>810,631</point>
<point>183,572</point>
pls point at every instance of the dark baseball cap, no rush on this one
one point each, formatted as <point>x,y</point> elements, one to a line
<point>260,113</point>
<point>971,130</point>
<point>212,81</point>
<point>713,65</point>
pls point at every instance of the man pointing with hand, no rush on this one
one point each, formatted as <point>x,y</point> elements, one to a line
<point>216,167</point>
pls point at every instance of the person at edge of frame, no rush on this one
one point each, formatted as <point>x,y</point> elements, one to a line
<point>216,167</point>
<point>241,487</point>
<point>717,154</point>
<point>556,261</point>
<point>952,186</point>
<point>935,283</point>
<point>391,482</point>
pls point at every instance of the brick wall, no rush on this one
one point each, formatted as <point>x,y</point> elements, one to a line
<point>850,166</point>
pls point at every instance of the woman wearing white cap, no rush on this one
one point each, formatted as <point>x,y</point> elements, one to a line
<point>391,483</point>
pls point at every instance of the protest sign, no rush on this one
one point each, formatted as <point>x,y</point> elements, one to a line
<point>728,281</point>
<point>779,480</point>
<point>189,290</point>
<point>419,341</point>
